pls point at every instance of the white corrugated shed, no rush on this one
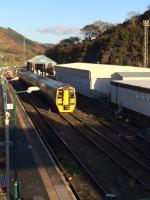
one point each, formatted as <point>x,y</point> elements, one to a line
<point>88,78</point>
<point>132,94</point>
<point>131,76</point>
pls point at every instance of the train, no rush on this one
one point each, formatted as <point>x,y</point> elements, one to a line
<point>61,96</point>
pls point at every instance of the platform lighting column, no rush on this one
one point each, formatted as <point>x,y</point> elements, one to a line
<point>7,116</point>
<point>145,57</point>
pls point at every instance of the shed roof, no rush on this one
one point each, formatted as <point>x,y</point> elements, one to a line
<point>41,59</point>
<point>134,83</point>
<point>103,70</point>
<point>134,74</point>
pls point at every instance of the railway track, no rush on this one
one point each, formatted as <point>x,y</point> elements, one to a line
<point>106,115</point>
<point>129,137</point>
<point>134,138</point>
<point>124,138</point>
<point>130,164</point>
<point>51,138</point>
<point>102,181</point>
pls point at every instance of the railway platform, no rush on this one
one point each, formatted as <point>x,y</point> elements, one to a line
<point>32,165</point>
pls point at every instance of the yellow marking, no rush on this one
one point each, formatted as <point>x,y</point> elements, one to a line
<point>66,97</point>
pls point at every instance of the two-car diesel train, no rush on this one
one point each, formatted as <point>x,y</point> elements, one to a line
<point>62,96</point>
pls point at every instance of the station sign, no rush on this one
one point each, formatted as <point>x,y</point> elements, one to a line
<point>9,106</point>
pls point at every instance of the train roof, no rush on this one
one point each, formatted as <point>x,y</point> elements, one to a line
<point>47,81</point>
<point>51,82</point>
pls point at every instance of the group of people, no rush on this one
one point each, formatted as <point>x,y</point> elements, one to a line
<point>41,69</point>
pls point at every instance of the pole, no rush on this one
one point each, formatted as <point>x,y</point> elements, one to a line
<point>145,56</point>
<point>14,117</point>
<point>4,87</point>
<point>7,116</point>
<point>24,50</point>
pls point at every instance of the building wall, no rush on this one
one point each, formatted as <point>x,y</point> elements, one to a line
<point>84,81</point>
<point>79,79</point>
<point>101,85</point>
<point>91,79</point>
<point>132,99</point>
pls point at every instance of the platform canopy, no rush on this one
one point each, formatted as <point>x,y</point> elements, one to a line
<point>41,59</point>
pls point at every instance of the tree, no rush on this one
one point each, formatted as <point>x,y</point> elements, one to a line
<point>103,26</point>
<point>133,17</point>
<point>70,41</point>
<point>90,31</point>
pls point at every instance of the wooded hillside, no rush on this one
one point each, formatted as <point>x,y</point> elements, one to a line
<point>120,44</point>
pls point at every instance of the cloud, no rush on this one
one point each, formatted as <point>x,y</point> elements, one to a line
<point>60,30</point>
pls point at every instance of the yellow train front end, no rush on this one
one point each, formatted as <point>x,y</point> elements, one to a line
<point>66,99</point>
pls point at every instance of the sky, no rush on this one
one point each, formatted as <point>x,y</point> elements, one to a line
<point>50,21</point>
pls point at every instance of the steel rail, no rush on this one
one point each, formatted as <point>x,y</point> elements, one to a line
<point>100,186</point>
<point>112,158</point>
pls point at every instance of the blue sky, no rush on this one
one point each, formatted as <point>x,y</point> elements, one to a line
<point>49,21</point>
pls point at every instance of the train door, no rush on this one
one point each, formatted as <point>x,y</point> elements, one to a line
<point>66,97</point>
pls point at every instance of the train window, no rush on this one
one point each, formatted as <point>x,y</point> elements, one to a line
<point>60,94</point>
<point>72,94</point>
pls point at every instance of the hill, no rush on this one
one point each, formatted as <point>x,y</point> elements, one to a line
<point>11,47</point>
<point>121,44</point>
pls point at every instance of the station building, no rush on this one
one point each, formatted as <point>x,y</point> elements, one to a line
<point>41,63</point>
<point>94,80</point>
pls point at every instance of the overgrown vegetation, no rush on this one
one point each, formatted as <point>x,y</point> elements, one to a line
<point>121,44</point>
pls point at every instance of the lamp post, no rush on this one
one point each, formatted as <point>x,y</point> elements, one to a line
<point>4,88</point>
<point>16,188</point>
<point>7,116</point>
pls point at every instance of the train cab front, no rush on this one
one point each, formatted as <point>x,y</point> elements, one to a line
<point>66,99</point>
